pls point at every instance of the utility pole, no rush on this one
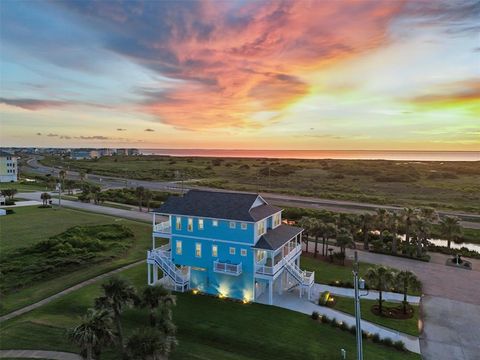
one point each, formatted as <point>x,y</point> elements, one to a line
<point>358,283</point>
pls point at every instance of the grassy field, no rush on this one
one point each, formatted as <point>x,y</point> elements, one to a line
<point>325,272</point>
<point>407,326</point>
<point>30,225</point>
<point>22,187</point>
<point>449,185</point>
<point>208,328</point>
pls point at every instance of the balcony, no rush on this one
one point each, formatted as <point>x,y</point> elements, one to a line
<point>227,268</point>
<point>163,228</point>
<point>271,270</point>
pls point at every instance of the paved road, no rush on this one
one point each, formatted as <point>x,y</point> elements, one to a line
<point>65,292</point>
<point>39,354</point>
<point>469,220</point>
<point>450,306</point>
<point>128,214</point>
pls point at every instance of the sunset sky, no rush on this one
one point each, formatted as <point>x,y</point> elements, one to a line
<point>241,74</point>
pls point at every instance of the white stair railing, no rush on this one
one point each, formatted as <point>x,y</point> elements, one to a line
<point>305,278</point>
<point>163,261</point>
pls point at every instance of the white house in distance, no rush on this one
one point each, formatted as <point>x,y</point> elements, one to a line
<point>8,167</point>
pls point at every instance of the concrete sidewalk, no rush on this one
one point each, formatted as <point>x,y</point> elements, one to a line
<point>371,294</point>
<point>23,203</point>
<point>39,354</point>
<point>291,301</point>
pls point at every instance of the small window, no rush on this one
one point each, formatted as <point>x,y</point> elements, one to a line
<point>261,227</point>
<point>178,249</point>
<point>190,224</point>
<point>260,255</point>
<point>179,223</point>
<point>214,222</point>
<point>233,224</point>
<point>214,250</point>
<point>244,226</point>
<point>198,250</point>
<point>200,224</point>
<point>243,252</point>
<point>232,251</point>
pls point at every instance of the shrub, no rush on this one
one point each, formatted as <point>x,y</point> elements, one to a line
<point>399,345</point>
<point>353,329</point>
<point>343,326</point>
<point>376,338</point>
<point>333,322</point>
<point>325,319</point>
<point>387,341</point>
<point>10,211</point>
<point>315,315</point>
<point>9,202</point>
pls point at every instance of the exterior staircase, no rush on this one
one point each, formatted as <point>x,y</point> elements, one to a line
<point>304,278</point>
<point>178,277</point>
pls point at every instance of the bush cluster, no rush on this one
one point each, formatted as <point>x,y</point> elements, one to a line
<point>399,345</point>
<point>79,246</point>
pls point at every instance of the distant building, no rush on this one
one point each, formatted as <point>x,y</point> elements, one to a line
<point>127,152</point>
<point>8,167</point>
<point>81,154</point>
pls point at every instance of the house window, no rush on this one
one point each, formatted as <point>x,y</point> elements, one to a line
<point>261,228</point>
<point>178,249</point>
<point>190,224</point>
<point>260,255</point>
<point>179,223</point>
<point>232,251</point>
<point>243,252</point>
<point>276,220</point>
<point>214,222</point>
<point>233,224</point>
<point>198,250</point>
<point>200,224</point>
<point>244,226</point>
<point>214,250</point>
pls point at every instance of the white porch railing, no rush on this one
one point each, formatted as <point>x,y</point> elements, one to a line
<point>227,268</point>
<point>271,270</point>
<point>163,227</point>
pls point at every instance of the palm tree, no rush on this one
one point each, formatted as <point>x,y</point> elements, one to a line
<point>45,197</point>
<point>330,231</point>
<point>318,231</point>
<point>118,295</point>
<point>148,197</point>
<point>408,216</point>
<point>343,239</point>
<point>147,344</point>
<point>381,219</point>
<point>93,333</point>
<point>153,297</point>
<point>380,278</point>
<point>306,223</point>
<point>82,175</point>
<point>393,221</point>
<point>424,223</point>
<point>366,224</point>
<point>405,280</point>
<point>140,193</point>
<point>61,176</point>
<point>95,190</point>
<point>450,228</point>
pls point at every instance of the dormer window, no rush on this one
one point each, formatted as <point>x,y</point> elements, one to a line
<point>277,219</point>
<point>261,227</point>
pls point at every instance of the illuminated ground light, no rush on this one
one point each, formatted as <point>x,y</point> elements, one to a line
<point>247,296</point>
<point>223,291</point>
<point>195,291</point>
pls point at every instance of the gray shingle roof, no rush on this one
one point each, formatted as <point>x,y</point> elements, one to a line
<point>217,205</point>
<point>275,238</point>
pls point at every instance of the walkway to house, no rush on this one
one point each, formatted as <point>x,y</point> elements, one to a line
<point>371,294</point>
<point>39,354</point>
<point>65,292</point>
<point>291,301</point>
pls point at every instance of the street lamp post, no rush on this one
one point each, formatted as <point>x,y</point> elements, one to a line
<point>358,283</point>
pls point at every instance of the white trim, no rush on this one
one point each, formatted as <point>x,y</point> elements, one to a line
<point>210,239</point>
<point>202,217</point>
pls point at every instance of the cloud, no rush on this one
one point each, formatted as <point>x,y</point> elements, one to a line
<point>120,129</point>
<point>151,130</point>
<point>96,137</point>
<point>234,59</point>
<point>39,134</point>
<point>32,104</point>
<point>459,92</point>
<point>52,135</point>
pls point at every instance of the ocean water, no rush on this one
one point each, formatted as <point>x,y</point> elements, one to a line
<point>323,154</point>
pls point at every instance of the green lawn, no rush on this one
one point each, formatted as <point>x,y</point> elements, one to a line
<point>22,187</point>
<point>326,272</point>
<point>408,326</point>
<point>30,224</point>
<point>208,328</point>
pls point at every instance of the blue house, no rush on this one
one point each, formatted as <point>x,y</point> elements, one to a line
<point>228,244</point>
